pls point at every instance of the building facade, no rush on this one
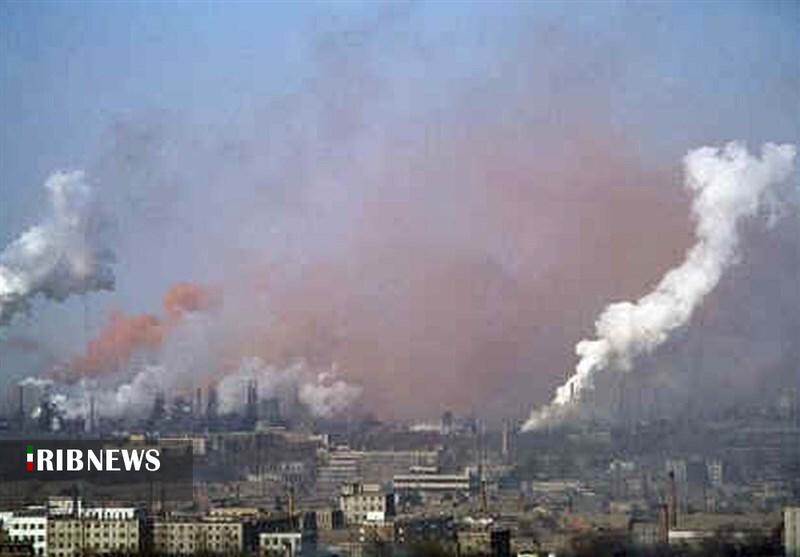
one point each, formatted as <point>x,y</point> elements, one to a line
<point>362,503</point>
<point>791,531</point>
<point>188,536</point>
<point>74,536</point>
<point>26,527</point>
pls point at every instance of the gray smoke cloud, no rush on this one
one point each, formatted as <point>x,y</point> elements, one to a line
<point>320,391</point>
<point>131,398</point>
<point>61,256</point>
<point>728,185</point>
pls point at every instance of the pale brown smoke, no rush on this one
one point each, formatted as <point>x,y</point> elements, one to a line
<point>470,266</point>
<point>124,335</point>
<point>183,297</point>
<point>448,259</point>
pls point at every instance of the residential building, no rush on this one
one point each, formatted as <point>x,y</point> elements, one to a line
<point>26,526</point>
<point>185,536</point>
<point>791,531</point>
<point>365,503</point>
<point>73,536</point>
<point>280,544</point>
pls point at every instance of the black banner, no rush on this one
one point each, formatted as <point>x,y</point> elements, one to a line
<point>125,471</point>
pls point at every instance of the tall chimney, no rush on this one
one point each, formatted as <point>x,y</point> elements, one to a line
<point>212,404</point>
<point>91,413</point>
<point>21,409</point>
<point>663,524</point>
<point>505,440</point>
<point>672,500</point>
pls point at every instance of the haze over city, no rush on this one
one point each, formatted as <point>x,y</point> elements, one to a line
<point>329,217</point>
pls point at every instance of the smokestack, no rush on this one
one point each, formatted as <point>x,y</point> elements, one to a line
<point>728,185</point>
<point>251,404</point>
<point>447,423</point>
<point>159,408</point>
<point>212,405</point>
<point>672,500</point>
<point>507,440</point>
<point>21,408</point>
<point>91,413</point>
<point>663,524</point>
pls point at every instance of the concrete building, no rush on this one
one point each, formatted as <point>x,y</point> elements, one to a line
<point>26,526</point>
<point>500,542</point>
<point>280,544</point>
<point>185,536</point>
<point>365,503</point>
<point>381,466</point>
<point>11,549</point>
<point>67,506</point>
<point>429,481</point>
<point>714,473</point>
<point>339,467</point>
<point>791,531</point>
<point>329,519</point>
<point>73,536</point>
<point>419,529</point>
<point>14,549</point>
<point>646,534</point>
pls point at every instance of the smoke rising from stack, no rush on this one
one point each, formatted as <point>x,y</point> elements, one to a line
<point>320,391</point>
<point>453,232</point>
<point>182,351</point>
<point>728,185</point>
<point>62,256</point>
<point>124,335</point>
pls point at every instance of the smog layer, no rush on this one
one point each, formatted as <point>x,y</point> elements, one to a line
<point>412,221</point>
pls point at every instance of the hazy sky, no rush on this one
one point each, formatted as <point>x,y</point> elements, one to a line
<point>367,142</point>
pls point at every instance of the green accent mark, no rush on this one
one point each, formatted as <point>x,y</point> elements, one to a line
<point>30,449</point>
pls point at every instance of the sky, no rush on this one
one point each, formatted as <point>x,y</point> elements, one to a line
<point>469,183</point>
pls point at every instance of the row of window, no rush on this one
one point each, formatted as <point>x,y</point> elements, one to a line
<point>27,526</point>
<point>18,538</point>
<point>76,535</point>
<point>105,545</point>
<point>191,547</point>
<point>92,525</point>
<point>212,537</point>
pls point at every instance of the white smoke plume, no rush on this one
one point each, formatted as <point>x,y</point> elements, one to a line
<point>728,185</point>
<point>133,398</point>
<point>59,257</point>
<point>328,396</point>
<point>320,391</point>
<point>36,382</point>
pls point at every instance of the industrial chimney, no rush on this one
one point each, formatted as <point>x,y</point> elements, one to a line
<point>663,524</point>
<point>672,500</point>
<point>21,409</point>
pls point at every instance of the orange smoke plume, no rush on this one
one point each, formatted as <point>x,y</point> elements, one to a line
<point>124,335</point>
<point>119,339</point>
<point>183,297</point>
